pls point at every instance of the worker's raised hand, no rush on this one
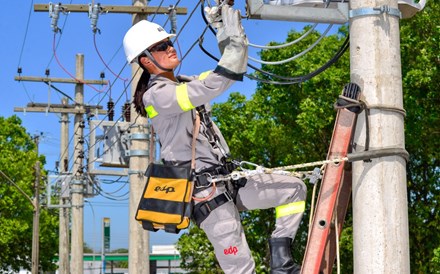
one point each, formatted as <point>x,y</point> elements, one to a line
<point>233,44</point>
<point>213,16</point>
<point>232,22</point>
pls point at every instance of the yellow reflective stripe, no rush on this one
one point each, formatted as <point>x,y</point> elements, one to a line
<point>182,97</point>
<point>290,209</point>
<point>203,75</point>
<point>151,111</point>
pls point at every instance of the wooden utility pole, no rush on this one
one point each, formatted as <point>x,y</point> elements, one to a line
<point>36,217</point>
<point>138,250</point>
<point>380,214</point>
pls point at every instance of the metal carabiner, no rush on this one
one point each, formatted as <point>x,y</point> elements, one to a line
<point>248,163</point>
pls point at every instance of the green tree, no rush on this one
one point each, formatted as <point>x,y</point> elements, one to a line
<point>17,160</point>
<point>197,254</point>
<point>421,85</point>
<point>120,264</point>
<point>88,249</point>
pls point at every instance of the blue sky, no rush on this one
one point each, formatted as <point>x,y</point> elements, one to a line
<point>27,42</point>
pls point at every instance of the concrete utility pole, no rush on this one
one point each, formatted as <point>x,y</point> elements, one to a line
<point>36,217</point>
<point>77,189</point>
<point>138,250</point>
<point>64,110</point>
<point>380,214</point>
<point>63,248</point>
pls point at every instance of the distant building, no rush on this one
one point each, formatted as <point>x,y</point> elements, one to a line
<point>164,259</point>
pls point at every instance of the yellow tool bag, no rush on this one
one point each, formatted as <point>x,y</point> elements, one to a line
<point>166,200</point>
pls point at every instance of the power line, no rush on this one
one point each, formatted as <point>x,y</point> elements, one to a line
<point>25,33</point>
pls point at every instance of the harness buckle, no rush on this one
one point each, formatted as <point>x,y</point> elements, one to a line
<point>203,180</point>
<point>228,196</point>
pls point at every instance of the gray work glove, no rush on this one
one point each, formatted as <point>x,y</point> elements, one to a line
<point>233,45</point>
<point>213,16</point>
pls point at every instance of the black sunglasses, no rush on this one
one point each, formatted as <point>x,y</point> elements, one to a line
<point>162,46</point>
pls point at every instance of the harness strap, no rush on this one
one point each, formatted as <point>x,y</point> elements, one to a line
<point>203,209</point>
<point>234,187</point>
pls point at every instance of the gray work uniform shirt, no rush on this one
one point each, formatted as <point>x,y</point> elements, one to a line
<point>171,108</point>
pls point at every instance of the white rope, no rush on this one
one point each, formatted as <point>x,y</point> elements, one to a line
<point>317,163</point>
<point>245,172</point>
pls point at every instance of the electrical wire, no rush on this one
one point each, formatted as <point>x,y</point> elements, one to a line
<point>286,44</point>
<point>108,91</point>
<point>296,56</point>
<point>66,71</point>
<point>60,91</point>
<point>22,48</point>
<point>25,33</point>
<point>303,78</point>
<point>102,59</point>
<point>158,7</point>
<point>178,34</point>
<point>289,80</point>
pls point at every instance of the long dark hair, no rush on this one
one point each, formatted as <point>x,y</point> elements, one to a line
<point>141,88</point>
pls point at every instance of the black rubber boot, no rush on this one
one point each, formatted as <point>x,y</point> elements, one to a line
<point>281,261</point>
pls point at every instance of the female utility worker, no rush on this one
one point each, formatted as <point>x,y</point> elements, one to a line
<point>170,102</point>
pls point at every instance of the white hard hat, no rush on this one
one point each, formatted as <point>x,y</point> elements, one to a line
<point>141,36</point>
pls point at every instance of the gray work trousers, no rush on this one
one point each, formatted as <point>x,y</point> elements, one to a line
<point>223,226</point>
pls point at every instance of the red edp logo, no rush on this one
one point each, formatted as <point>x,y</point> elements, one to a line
<point>231,250</point>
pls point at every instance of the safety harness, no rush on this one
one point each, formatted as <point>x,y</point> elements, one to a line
<point>207,178</point>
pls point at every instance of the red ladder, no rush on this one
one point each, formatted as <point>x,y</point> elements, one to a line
<point>335,190</point>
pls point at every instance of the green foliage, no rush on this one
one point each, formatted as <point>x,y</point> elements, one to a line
<point>197,254</point>
<point>421,86</point>
<point>17,161</point>
<point>87,249</point>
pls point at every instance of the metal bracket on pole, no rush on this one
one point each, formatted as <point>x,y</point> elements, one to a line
<point>375,11</point>
<point>76,183</point>
<point>137,152</point>
<point>138,172</point>
<point>59,206</point>
<point>139,136</point>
